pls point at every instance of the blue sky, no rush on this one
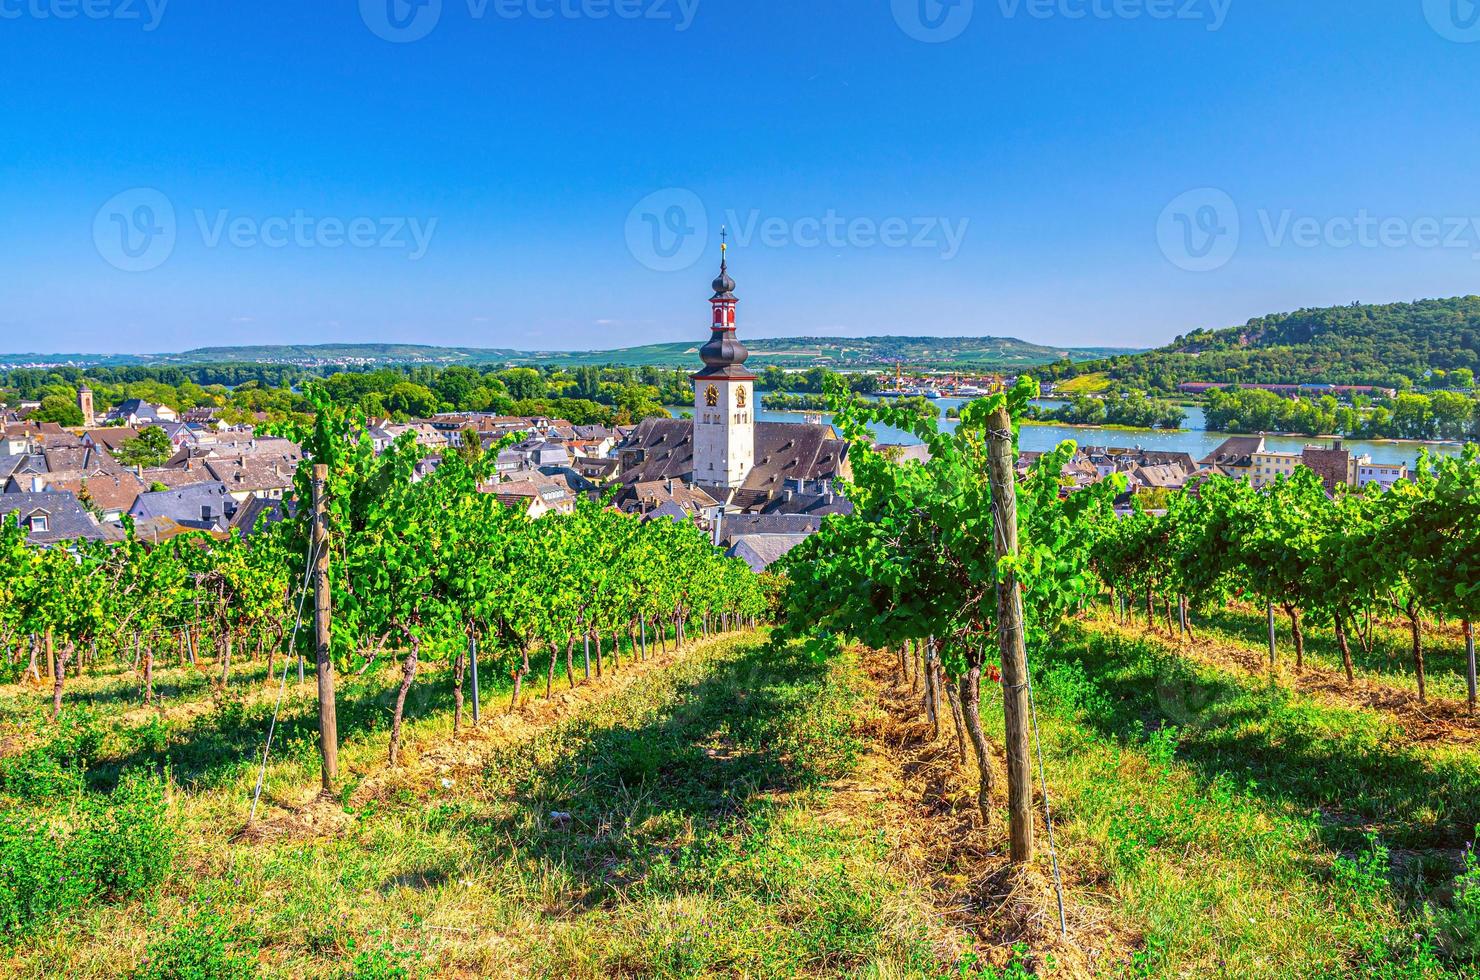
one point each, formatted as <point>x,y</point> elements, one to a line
<point>541,182</point>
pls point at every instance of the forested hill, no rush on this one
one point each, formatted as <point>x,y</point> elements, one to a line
<point>922,353</point>
<point>1357,344</point>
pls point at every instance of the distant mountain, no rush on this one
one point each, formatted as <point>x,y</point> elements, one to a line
<point>1357,344</point>
<point>947,353</point>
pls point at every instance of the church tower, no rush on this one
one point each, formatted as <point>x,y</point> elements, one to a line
<point>724,396</point>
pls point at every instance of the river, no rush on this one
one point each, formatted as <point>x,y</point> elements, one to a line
<point>1194,439</point>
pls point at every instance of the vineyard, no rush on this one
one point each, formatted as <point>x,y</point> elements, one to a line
<point>977,728</point>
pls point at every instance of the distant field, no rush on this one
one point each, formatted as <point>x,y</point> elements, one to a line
<point>1085,384</point>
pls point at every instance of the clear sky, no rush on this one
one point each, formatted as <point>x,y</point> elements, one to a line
<point>547,174</point>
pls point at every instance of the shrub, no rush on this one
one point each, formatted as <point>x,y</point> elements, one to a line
<point>97,846</point>
<point>204,947</point>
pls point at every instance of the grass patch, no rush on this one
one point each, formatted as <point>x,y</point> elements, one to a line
<point>682,825</point>
<point>1245,829</point>
<point>1084,384</point>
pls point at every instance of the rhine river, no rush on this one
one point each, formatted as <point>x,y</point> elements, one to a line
<point>1194,439</point>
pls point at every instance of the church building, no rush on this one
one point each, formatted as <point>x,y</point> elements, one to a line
<point>745,465</point>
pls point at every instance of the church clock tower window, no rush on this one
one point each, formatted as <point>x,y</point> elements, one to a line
<point>724,437</point>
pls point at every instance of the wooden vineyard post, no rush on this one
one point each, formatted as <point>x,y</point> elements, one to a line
<point>1269,609</point>
<point>1470,661</point>
<point>328,724</point>
<point>473,646</point>
<point>1001,472</point>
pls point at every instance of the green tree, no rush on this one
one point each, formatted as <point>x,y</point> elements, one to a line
<point>151,447</point>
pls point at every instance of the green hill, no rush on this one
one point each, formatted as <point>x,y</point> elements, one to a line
<point>1357,344</point>
<point>942,353</point>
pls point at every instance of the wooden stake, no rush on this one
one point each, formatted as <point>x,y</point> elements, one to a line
<point>328,723</point>
<point>1000,470</point>
<point>1470,661</point>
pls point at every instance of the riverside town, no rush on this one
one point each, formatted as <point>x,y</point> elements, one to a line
<point>922,490</point>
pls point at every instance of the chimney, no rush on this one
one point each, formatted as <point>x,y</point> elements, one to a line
<point>38,484</point>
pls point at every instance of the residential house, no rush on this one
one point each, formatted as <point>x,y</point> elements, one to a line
<point>597,469</point>
<point>136,412</point>
<point>200,506</point>
<point>1265,467</point>
<point>425,434</point>
<point>1383,474</point>
<point>108,439</point>
<point>173,477</point>
<point>108,495</point>
<point>1235,456</point>
<point>248,476</point>
<point>51,518</point>
<point>257,512</point>
<point>535,500</point>
<point>692,500</point>
<point>761,551</point>
<point>592,441</point>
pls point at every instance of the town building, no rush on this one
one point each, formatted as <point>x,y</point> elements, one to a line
<point>1383,474</point>
<point>1234,456</point>
<point>1266,466</point>
<point>1335,465</point>
<point>743,464</point>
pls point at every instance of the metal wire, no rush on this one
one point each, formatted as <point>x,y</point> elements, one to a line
<point>313,554</point>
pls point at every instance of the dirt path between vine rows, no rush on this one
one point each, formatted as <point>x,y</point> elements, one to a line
<point>932,799</point>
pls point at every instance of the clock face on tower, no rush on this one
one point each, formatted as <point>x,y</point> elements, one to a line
<point>740,396</point>
<point>711,396</point>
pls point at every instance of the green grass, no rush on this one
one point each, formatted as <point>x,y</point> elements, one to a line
<point>702,840</point>
<point>1390,660</point>
<point>1229,819</point>
<point>1224,824</point>
<point>1084,384</point>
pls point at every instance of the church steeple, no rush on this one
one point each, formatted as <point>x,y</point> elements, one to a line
<point>724,402</point>
<point>723,354</point>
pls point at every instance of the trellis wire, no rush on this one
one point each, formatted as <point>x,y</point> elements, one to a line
<point>313,554</point>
